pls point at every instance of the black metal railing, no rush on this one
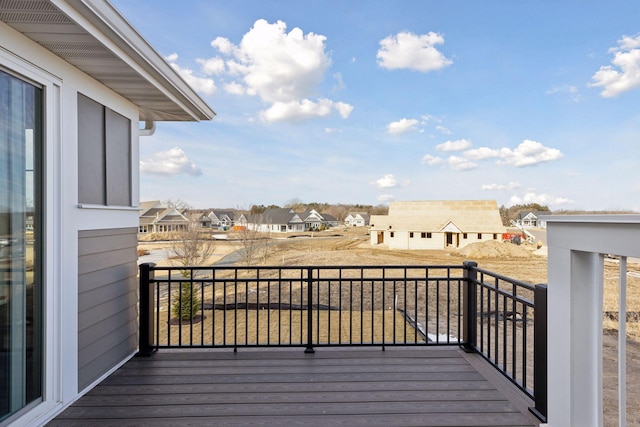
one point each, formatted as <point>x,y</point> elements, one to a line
<point>504,328</point>
<point>321,306</point>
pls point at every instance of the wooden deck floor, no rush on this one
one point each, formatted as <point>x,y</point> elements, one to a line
<point>399,386</point>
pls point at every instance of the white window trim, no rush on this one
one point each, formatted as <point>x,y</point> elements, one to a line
<point>59,373</point>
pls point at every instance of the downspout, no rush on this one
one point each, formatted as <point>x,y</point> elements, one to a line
<point>149,128</point>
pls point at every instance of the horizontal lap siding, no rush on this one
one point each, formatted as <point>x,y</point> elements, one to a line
<point>107,300</point>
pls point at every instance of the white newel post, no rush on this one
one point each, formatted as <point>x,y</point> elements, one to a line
<point>577,245</point>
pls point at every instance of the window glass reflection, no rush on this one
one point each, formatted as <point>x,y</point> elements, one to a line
<point>20,281</point>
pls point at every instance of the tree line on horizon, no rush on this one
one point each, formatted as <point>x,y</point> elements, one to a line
<point>339,210</point>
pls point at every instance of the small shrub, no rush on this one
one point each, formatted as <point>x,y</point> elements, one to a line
<point>186,303</point>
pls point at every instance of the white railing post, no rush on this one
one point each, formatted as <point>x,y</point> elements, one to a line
<point>622,343</point>
<point>577,245</point>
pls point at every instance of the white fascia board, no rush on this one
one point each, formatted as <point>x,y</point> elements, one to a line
<point>100,19</point>
<point>603,219</point>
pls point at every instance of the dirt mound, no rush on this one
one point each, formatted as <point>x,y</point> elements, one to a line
<point>494,249</point>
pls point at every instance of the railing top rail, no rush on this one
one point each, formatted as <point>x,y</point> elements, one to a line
<point>297,267</point>
<point>516,282</point>
<point>301,267</point>
<point>507,294</point>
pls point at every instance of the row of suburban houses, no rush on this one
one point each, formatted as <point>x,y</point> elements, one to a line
<point>284,220</point>
<point>408,225</point>
<point>156,217</point>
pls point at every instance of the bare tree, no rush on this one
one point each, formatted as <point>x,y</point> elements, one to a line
<point>191,247</point>
<point>177,204</point>
<point>249,238</point>
<point>266,245</point>
<point>256,241</point>
<point>296,204</point>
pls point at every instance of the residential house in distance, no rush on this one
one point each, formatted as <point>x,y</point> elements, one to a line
<point>286,220</point>
<point>199,220</point>
<point>357,219</point>
<point>437,224</point>
<point>314,221</point>
<point>157,218</point>
<point>222,220</point>
<point>77,80</point>
<point>531,219</point>
<point>330,220</point>
<point>279,220</point>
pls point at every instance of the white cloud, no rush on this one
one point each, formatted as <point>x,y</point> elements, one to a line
<point>387,181</point>
<point>339,85</point>
<point>332,130</point>
<point>302,110</point>
<point>384,198</point>
<point>624,73</point>
<point>402,126</point>
<point>482,153</point>
<point>279,66</point>
<point>284,69</point>
<point>443,130</point>
<point>543,199</point>
<point>234,88</point>
<point>627,43</point>
<point>458,145</point>
<point>211,65</point>
<point>430,160</point>
<point>460,163</point>
<point>510,186</point>
<point>222,44</point>
<point>343,109</point>
<point>169,163</point>
<point>571,91</point>
<point>200,84</point>
<point>411,51</point>
<point>562,89</point>
<point>529,153</point>
<point>282,66</point>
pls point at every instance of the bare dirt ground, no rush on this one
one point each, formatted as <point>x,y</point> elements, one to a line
<point>351,247</point>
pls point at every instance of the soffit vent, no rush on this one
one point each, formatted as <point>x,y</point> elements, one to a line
<point>71,50</point>
<point>36,11</point>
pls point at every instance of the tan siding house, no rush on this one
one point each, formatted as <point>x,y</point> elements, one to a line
<point>437,224</point>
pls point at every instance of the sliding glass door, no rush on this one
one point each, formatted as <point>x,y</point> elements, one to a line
<point>20,244</point>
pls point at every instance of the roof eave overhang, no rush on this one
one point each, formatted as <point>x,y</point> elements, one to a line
<point>151,83</point>
<point>119,36</point>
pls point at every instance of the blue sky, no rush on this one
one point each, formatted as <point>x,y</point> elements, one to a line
<point>370,102</point>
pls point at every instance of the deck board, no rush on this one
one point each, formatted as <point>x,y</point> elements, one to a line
<point>408,386</point>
